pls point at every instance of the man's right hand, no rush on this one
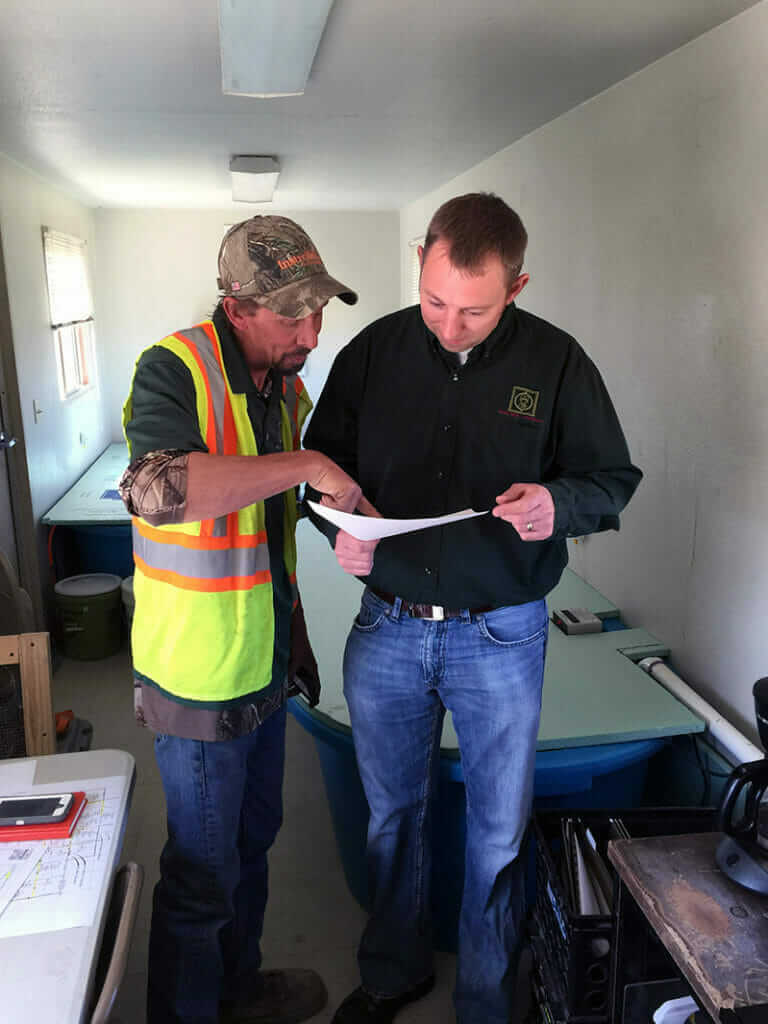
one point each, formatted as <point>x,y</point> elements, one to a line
<point>338,490</point>
<point>353,555</point>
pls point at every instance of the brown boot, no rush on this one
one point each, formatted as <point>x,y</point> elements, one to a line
<point>283,997</point>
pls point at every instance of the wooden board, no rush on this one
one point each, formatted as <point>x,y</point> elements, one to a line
<point>35,664</point>
<point>9,650</point>
<point>715,930</point>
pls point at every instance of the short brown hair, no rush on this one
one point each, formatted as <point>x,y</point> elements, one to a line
<point>478,225</point>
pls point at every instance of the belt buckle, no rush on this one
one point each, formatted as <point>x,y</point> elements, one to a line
<point>438,613</point>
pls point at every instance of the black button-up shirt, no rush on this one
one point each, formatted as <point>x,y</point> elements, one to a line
<point>425,435</point>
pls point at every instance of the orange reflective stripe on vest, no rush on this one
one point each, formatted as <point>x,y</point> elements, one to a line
<point>221,436</point>
<point>292,388</point>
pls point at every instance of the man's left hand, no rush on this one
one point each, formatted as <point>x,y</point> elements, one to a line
<point>529,508</point>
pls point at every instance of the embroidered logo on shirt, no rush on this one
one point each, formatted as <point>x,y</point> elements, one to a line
<point>523,401</point>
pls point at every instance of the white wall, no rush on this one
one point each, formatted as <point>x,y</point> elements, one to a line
<point>157,274</point>
<point>55,455</point>
<point>647,210</point>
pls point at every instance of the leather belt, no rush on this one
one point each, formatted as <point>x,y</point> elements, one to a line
<point>435,612</point>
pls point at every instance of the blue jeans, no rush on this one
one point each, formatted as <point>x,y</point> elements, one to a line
<point>224,804</point>
<point>400,674</point>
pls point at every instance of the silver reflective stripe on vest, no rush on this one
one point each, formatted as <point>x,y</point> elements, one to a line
<point>220,526</point>
<point>200,564</point>
<point>204,347</point>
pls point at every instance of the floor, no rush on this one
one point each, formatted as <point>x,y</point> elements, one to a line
<point>312,920</point>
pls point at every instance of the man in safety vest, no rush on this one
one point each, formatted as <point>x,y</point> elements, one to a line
<point>213,423</point>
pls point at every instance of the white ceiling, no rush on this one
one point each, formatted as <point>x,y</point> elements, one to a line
<point>121,102</point>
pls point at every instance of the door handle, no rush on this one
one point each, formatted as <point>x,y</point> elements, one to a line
<point>6,441</point>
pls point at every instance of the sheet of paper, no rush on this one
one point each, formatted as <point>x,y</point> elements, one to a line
<point>17,861</point>
<point>371,528</point>
<point>63,889</point>
<point>16,777</point>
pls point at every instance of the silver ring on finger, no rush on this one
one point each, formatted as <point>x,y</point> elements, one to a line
<point>529,527</point>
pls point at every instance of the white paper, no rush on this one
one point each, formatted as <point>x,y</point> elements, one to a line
<point>675,1011</point>
<point>64,888</point>
<point>17,861</point>
<point>373,528</point>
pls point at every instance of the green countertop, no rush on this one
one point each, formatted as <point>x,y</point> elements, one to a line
<point>93,500</point>
<point>594,693</point>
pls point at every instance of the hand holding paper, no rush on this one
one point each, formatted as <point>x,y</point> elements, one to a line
<point>353,555</point>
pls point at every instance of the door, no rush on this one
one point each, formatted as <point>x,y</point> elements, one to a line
<point>7,531</point>
<point>18,540</point>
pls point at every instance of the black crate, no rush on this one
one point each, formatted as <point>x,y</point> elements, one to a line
<point>574,953</point>
<point>547,1010</point>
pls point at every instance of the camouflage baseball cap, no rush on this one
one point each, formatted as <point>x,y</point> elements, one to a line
<point>273,260</point>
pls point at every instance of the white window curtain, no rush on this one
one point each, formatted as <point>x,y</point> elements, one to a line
<point>413,280</point>
<point>71,309</point>
<point>69,290</point>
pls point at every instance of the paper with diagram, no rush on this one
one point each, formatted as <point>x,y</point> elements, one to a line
<point>64,888</point>
<point>373,528</point>
<point>17,861</point>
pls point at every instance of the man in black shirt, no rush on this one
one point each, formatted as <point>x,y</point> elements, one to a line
<point>463,401</point>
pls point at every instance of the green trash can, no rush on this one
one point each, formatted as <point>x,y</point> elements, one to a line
<point>88,612</point>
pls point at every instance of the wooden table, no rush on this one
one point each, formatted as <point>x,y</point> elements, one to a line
<point>715,930</point>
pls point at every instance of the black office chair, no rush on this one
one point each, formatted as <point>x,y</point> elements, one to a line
<point>16,616</point>
<point>116,942</point>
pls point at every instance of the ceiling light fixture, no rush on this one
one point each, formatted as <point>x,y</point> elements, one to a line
<point>253,178</point>
<point>268,46</point>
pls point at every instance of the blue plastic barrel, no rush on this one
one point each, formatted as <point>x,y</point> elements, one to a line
<point>103,548</point>
<point>600,776</point>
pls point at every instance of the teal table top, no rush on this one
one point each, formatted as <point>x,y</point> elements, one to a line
<point>594,692</point>
<point>93,500</point>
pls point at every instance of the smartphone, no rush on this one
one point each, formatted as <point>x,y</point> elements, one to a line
<point>35,810</point>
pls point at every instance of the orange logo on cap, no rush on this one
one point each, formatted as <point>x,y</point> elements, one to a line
<point>309,256</point>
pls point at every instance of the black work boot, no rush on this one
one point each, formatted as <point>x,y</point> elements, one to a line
<point>282,997</point>
<point>362,1008</point>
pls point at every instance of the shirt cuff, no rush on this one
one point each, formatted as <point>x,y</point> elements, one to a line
<point>154,487</point>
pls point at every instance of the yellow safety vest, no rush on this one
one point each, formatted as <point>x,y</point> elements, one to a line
<point>203,626</point>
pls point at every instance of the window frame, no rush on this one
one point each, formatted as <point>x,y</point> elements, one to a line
<point>70,305</point>
<point>414,270</point>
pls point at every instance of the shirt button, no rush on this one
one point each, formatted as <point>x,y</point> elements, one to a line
<point>448,426</point>
<point>440,475</point>
<point>455,376</point>
<point>428,572</point>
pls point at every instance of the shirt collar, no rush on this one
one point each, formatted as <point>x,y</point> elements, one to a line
<point>505,328</point>
<point>235,366</point>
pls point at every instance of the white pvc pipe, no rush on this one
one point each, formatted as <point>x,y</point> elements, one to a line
<point>734,744</point>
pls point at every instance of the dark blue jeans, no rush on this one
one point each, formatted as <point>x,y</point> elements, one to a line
<point>400,675</point>
<point>224,804</point>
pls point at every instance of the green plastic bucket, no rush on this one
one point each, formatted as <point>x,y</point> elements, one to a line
<point>88,610</point>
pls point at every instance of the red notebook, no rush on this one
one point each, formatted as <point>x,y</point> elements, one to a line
<point>56,830</point>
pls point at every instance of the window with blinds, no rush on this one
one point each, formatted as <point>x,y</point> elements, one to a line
<point>71,309</point>
<point>415,270</point>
